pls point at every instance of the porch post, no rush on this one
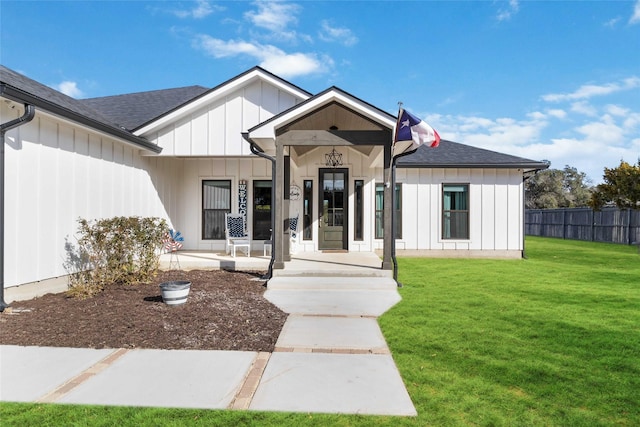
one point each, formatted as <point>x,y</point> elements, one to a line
<point>387,262</point>
<point>277,237</point>
<point>286,232</point>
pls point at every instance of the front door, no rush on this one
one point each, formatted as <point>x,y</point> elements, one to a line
<point>333,209</point>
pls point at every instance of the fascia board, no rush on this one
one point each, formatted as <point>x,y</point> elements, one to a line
<point>217,93</point>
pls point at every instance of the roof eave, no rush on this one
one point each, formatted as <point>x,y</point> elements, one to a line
<point>526,167</point>
<point>18,95</point>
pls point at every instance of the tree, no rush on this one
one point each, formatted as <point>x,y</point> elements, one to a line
<point>555,188</point>
<point>621,187</point>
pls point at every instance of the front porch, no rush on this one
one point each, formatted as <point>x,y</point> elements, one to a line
<point>305,264</point>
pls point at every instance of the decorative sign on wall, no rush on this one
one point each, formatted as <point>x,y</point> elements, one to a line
<point>294,192</point>
<point>242,199</point>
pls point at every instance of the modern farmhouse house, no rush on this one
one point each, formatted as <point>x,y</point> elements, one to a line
<point>192,154</point>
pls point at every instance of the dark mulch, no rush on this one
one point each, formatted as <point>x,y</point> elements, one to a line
<point>225,310</point>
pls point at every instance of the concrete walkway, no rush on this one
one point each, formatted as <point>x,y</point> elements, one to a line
<point>331,357</point>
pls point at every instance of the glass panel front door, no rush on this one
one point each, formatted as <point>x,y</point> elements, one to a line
<point>333,209</point>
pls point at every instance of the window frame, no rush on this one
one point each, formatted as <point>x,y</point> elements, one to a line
<point>466,212</point>
<point>379,213</point>
<point>307,209</point>
<point>225,210</point>
<point>358,214</point>
<point>255,228</point>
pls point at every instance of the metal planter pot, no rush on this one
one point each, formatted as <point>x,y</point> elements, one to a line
<point>175,293</point>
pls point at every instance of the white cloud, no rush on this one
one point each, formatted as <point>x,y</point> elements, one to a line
<point>202,9</point>
<point>537,115</point>
<point>589,91</point>
<point>616,110</point>
<point>329,33</point>
<point>503,134</point>
<point>603,130</point>
<point>272,58</point>
<point>70,89</point>
<point>583,107</point>
<point>274,16</point>
<point>599,136</point>
<point>635,17</point>
<point>558,114</point>
<point>611,23</point>
<point>505,13</point>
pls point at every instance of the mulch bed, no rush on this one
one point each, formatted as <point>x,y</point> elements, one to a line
<point>225,310</point>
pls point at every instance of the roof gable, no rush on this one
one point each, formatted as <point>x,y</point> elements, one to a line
<point>330,97</point>
<point>219,92</point>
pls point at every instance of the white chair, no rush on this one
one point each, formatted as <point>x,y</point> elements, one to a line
<point>236,234</point>
<point>293,234</point>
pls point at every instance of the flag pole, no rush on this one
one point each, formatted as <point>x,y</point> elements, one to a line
<point>419,133</point>
<point>392,184</point>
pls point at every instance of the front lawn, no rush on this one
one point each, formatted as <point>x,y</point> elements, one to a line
<point>550,340</point>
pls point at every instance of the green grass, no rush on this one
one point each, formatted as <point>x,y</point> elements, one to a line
<point>550,340</point>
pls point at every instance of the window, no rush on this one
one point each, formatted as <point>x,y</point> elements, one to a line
<point>262,210</point>
<point>307,200</point>
<point>380,211</point>
<point>359,208</point>
<point>455,211</point>
<point>216,201</point>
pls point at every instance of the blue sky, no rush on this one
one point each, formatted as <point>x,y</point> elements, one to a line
<point>538,79</point>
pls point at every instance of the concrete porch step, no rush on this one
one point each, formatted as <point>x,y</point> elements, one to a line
<point>333,271</point>
<point>332,283</point>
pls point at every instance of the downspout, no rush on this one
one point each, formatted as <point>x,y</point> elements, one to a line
<point>259,152</point>
<point>29,113</point>
<point>393,214</point>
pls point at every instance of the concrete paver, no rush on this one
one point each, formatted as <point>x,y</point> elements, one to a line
<point>167,378</point>
<point>317,332</point>
<point>332,302</point>
<point>29,373</point>
<point>332,383</point>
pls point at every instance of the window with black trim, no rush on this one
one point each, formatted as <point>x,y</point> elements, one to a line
<point>262,210</point>
<point>379,220</point>
<point>216,201</point>
<point>358,219</point>
<point>307,201</point>
<point>455,211</point>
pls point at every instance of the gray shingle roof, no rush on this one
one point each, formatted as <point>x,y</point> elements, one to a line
<point>20,88</point>
<point>133,110</point>
<point>455,155</point>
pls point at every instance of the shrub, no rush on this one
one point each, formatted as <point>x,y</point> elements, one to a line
<point>120,250</point>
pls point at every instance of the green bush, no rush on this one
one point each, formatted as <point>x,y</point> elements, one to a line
<point>120,250</point>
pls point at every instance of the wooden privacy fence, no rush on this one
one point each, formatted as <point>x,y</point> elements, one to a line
<point>611,225</point>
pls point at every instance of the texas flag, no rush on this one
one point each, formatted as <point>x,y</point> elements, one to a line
<point>411,133</point>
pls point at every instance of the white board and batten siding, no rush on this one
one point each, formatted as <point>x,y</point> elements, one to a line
<point>215,128</point>
<point>188,177</point>
<point>57,172</point>
<point>495,212</point>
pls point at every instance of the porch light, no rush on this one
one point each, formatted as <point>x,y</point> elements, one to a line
<point>333,158</point>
